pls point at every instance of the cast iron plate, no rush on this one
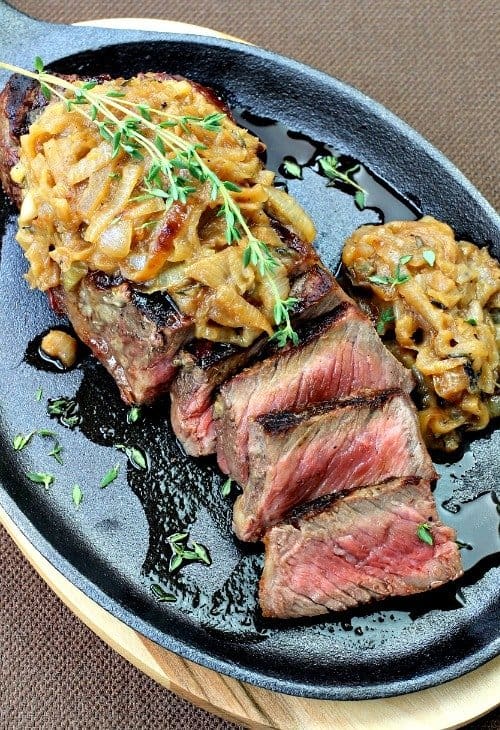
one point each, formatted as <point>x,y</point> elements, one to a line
<point>114,546</point>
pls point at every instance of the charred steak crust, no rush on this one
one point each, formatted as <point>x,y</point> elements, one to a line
<point>136,336</point>
<point>338,558</point>
<point>20,100</point>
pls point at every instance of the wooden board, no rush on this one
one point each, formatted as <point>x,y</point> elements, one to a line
<point>448,706</point>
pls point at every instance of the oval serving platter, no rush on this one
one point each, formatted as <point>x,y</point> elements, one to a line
<point>114,545</point>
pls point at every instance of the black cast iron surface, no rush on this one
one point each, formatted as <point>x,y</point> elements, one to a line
<point>114,545</point>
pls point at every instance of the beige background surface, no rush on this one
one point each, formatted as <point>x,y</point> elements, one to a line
<point>436,64</point>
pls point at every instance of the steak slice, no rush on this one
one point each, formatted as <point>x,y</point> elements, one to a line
<point>338,354</point>
<point>204,365</point>
<point>361,548</point>
<point>136,336</point>
<point>298,456</point>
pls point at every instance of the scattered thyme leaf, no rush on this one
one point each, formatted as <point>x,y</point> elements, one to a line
<point>110,476</point>
<point>226,487</point>
<point>22,440</point>
<point>134,455</point>
<point>134,414</point>
<point>398,278</point>
<point>175,562</point>
<point>424,533</point>
<point>330,165</point>
<point>405,259</point>
<point>292,168</point>
<point>56,453</point>
<point>77,495</point>
<point>182,552</point>
<point>429,257</point>
<point>41,477</point>
<point>38,394</point>
<point>472,321</point>
<point>382,280</point>
<point>161,595</point>
<point>202,553</point>
<point>66,410</point>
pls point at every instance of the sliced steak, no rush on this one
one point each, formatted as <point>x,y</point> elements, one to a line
<point>136,336</point>
<point>204,365</point>
<point>338,354</point>
<point>361,548</point>
<point>297,456</point>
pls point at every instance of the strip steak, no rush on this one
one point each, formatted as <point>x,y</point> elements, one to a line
<point>338,354</point>
<point>298,456</point>
<point>204,365</point>
<point>361,548</point>
<point>136,336</point>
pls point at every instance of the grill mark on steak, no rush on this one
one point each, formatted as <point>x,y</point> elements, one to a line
<point>328,449</point>
<point>278,421</point>
<point>339,354</point>
<point>361,548</point>
<point>204,365</point>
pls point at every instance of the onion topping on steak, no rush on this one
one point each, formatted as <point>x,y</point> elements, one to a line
<point>361,548</point>
<point>298,456</point>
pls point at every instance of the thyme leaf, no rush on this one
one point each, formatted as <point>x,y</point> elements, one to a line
<point>424,533</point>
<point>134,414</point>
<point>398,278</point>
<point>330,165</point>
<point>183,553</point>
<point>429,257</point>
<point>66,410</point>
<point>226,487</point>
<point>134,455</point>
<point>77,495</point>
<point>161,595</point>
<point>386,316</point>
<point>292,168</point>
<point>21,440</point>
<point>41,477</point>
<point>38,395</point>
<point>110,476</point>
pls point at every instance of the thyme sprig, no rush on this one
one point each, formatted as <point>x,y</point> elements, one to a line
<point>175,163</point>
<point>400,277</point>
<point>330,167</point>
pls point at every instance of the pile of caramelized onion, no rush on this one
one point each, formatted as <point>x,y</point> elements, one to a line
<point>85,208</point>
<point>437,302</point>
